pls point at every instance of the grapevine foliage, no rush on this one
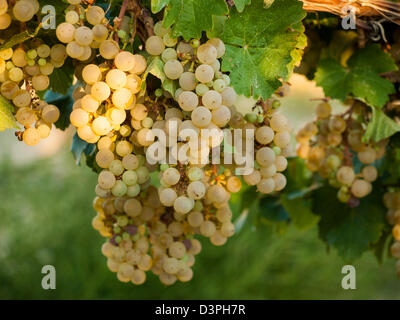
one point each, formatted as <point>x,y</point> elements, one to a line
<point>344,178</point>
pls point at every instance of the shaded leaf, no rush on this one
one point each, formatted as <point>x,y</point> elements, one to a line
<point>189,18</point>
<point>361,78</point>
<point>380,127</point>
<point>80,147</point>
<point>7,119</point>
<point>240,4</point>
<point>259,46</point>
<point>350,231</point>
<point>300,212</point>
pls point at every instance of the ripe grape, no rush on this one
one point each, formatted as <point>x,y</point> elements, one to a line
<point>207,53</point>
<point>173,69</point>
<point>31,136</point>
<point>204,73</point>
<point>155,45</point>
<point>95,15</point>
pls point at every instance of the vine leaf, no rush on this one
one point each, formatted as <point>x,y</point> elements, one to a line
<point>259,45</point>
<point>64,104</point>
<point>361,78</point>
<point>380,127</point>
<point>350,231</point>
<point>188,18</point>
<point>19,38</point>
<point>240,4</point>
<point>298,52</point>
<point>7,120</point>
<point>61,79</point>
<point>156,68</point>
<point>300,212</point>
<point>80,147</point>
<point>158,5</point>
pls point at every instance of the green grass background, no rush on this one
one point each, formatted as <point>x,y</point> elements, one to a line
<point>45,218</point>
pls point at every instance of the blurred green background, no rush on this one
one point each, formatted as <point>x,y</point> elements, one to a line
<point>45,218</point>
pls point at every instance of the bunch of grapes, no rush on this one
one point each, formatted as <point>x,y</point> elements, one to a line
<point>24,70</point>
<point>107,104</point>
<point>144,236</point>
<point>272,136</point>
<point>391,200</point>
<point>147,228</point>
<point>21,11</point>
<point>329,145</point>
<point>81,39</point>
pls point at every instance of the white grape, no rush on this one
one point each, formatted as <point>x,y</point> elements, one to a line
<point>204,73</point>
<point>212,99</point>
<point>201,117</point>
<point>207,53</point>
<point>173,69</point>
<point>155,45</point>
<point>188,100</point>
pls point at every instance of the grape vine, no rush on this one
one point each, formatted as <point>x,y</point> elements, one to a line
<point>152,89</point>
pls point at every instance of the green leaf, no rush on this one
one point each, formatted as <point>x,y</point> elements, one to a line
<point>218,27</point>
<point>61,78</point>
<point>156,68</point>
<point>361,78</point>
<point>380,127</point>
<point>272,210</point>
<point>298,52</point>
<point>298,176</point>
<point>19,38</point>
<point>350,231</point>
<point>259,46</point>
<point>300,212</point>
<point>7,119</point>
<point>64,104</point>
<point>158,5</point>
<point>80,147</point>
<point>188,18</point>
<point>381,249</point>
<point>240,4</point>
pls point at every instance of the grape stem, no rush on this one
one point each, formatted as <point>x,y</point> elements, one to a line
<point>230,3</point>
<point>117,20</point>
<point>146,28</point>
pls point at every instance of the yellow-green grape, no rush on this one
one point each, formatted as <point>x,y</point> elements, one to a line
<point>65,32</point>
<point>345,175</point>
<point>50,113</point>
<point>361,188</point>
<point>22,98</point>
<point>95,15</point>
<point>155,45</point>
<point>31,136</point>
<point>369,173</point>
<point>109,49</point>
<point>79,118</point>
<point>5,21</point>
<point>100,91</point>
<point>323,110</point>
<point>25,116</point>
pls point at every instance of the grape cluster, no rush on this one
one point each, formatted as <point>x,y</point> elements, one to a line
<point>272,136</point>
<point>329,145</point>
<point>391,200</point>
<point>24,70</point>
<point>21,11</point>
<point>108,99</point>
<point>81,39</point>
<point>147,228</point>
